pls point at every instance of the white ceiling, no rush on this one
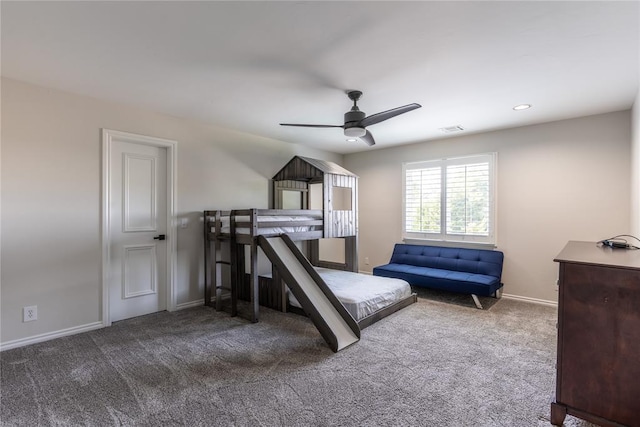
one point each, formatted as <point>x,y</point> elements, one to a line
<point>252,65</point>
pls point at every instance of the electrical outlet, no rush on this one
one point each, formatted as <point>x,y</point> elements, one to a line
<point>366,260</point>
<point>30,313</point>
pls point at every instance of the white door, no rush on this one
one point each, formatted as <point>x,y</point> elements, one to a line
<point>138,228</point>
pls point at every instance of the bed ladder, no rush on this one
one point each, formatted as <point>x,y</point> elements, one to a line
<point>214,263</point>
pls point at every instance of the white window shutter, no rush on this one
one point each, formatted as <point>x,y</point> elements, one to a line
<point>450,199</point>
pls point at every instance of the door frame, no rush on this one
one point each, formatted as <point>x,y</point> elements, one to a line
<point>108,137</point>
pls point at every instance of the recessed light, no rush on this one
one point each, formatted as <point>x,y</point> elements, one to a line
<point>451,129</point>
<point>351,140</point>
<point>522,107</point>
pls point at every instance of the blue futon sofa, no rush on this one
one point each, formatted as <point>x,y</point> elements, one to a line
<point>470,271</point>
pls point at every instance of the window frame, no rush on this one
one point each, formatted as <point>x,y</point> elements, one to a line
<point>443,236</point>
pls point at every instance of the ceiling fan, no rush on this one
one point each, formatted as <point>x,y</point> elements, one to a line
<point>355,121</point>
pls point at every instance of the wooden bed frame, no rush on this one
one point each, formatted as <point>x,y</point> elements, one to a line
<point>214,236</point>
<point>337,218</point>
<point>362,323</point>
<point>248,285</point>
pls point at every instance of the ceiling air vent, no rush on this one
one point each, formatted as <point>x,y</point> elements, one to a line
<point>451,129</point>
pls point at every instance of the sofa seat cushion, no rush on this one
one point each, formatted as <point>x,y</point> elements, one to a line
<point>457,281</point>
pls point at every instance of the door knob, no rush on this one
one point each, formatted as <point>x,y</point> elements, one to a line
<point>160,237</point>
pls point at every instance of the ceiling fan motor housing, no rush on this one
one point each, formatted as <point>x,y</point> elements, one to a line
<point>353,117</point>
<point>352,120</point>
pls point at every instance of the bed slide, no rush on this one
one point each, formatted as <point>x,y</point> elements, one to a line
<point>334,322</point>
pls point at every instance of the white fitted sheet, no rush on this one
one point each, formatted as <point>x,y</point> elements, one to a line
<point>361,294</point>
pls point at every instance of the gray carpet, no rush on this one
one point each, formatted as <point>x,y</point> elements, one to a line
<point>463,300</point>
<point>431,364</point>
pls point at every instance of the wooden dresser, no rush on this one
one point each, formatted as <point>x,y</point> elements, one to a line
<point>598,365</point>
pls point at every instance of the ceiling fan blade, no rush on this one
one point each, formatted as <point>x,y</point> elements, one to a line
<point>311,126</point>
<point>368,138</point>
<point>379,117</point>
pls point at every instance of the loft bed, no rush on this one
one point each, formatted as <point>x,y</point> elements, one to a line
<point>238,229</point>
<point>367,298</point>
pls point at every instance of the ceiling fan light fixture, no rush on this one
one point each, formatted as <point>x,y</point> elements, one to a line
<point>355,131</point>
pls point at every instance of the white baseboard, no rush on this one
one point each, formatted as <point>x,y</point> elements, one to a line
<point>531,300</point>
<point>196,303</point>
<point>50,336</point>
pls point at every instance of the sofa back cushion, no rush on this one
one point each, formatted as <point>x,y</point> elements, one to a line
<point>477,261</point>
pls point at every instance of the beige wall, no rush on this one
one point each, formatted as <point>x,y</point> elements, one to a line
<point>560,181</point>
<point>635,167</point>
<point>557,181</point>
<point>51,169</point>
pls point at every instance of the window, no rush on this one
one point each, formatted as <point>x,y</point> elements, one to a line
<point>341,198</point>
<point>450,199</point>
<point>292,199</point>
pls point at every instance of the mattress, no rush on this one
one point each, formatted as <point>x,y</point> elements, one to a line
<point>226,228</point>
<point>361,294</point>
